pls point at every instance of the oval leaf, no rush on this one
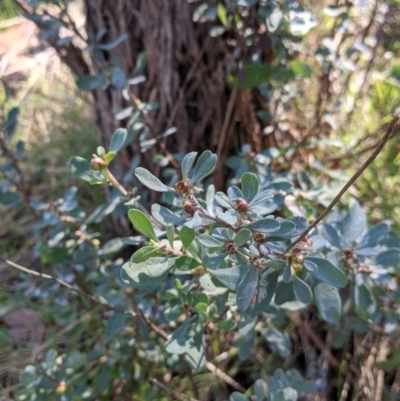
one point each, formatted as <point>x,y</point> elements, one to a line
<point>187,164</point>
<point>146,274</point>
<point>242,237</point>
<point>246,289</point>
<point>205,166</point>
<point>142,224</point>
<point>328,272</point>
<point>328,302</point>
<point>149,180</point>
<point>302,290</point>
<point>118,140</point>
<point>265,225</point>
<point>187,235</point>
<point>331,235</point>
<point>250,186</point>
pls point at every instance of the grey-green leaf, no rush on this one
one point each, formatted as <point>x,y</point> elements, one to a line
<point>187,235</point>
<point>261,197</point>
<point>354,223</point>
<point>328,302</point>
<point>213,262</point>
<point>331,235</point>
<point>82,169</point>
<point>165,217</point>
<point>265,225</point>
<point>149,180</point>
<point>246,288</point>
<point>328,272</point>
<point>205,166</point>
<point>187,164</point>
<point>230,277</point>
<point>142,223</point>
<point>250,185</point>
<point>146,274</point>
<point>302,290</point>
<point>209,241</point>
<point>286,394</point>
<point>242,237</point>
<point>118,139</point>
<point>364,301</point>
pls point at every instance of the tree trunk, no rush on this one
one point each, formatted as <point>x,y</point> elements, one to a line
<point>186,76</point>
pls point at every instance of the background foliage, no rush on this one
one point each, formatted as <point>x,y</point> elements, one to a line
<point>306,91</point>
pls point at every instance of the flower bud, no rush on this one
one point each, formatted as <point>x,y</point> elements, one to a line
<point>61,388</point>
<point>259,237</point>
<point>98,163</point>
<point>182,187</point>
<point>241,205</point>
<point>188,208</point>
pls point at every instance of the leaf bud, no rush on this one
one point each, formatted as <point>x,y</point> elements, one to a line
<point>188,208</point>
<point>98,163</point>
<point>241,205</point>
<point>182,188</point>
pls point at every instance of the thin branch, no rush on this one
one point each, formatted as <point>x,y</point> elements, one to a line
<point>168,390</point>
<point>68,286</point>
<point>227,119</point>
<point>223,376</point>
<point>393,126</point>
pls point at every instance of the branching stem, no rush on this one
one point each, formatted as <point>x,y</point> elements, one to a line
<point>393,126</point>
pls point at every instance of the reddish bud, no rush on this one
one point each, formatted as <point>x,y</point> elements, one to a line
<point>241,205</point>
<point>182,188</point>
<point>98,163</point>
<point>188,208</point>
<point>259,237</point>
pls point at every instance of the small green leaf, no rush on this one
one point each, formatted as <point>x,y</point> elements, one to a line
<point>242,237</point>
<point>302,70</point>
<point>246,288</point>
<point>286,394</point>
<point>331,235</point>
<point>261,197</point>
<point>364,301</point>
<point>230,277</point>
<point>187,235</point>
<point>165,217</point>
<point>11,122</point>
<point>328,272</point>
<point>82,169</point>
<point>213,262</point>
<point>209,241</point>
<point>287,274</point>
<point>250,186</point>
<point>222,15</point>
<point>302,290</point>
<point>147,252</point>
<point>328,302</point>
<point>146,274</point>
<point>354,223</point>
<point>265,225</point>
<point>109,157</point>
<point>187,164</point>
<point>205,166</point>
<point>170,229</point>
<point>236,396</point>
<point>118,139</point>
<point>149,180</point>
<point>388,258</point>
<point>227,325</point>
<point>186,263</point>
<point>92,82</point>
<point>284,293</point>
<point>142,224</point>
<point>374,235</point>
